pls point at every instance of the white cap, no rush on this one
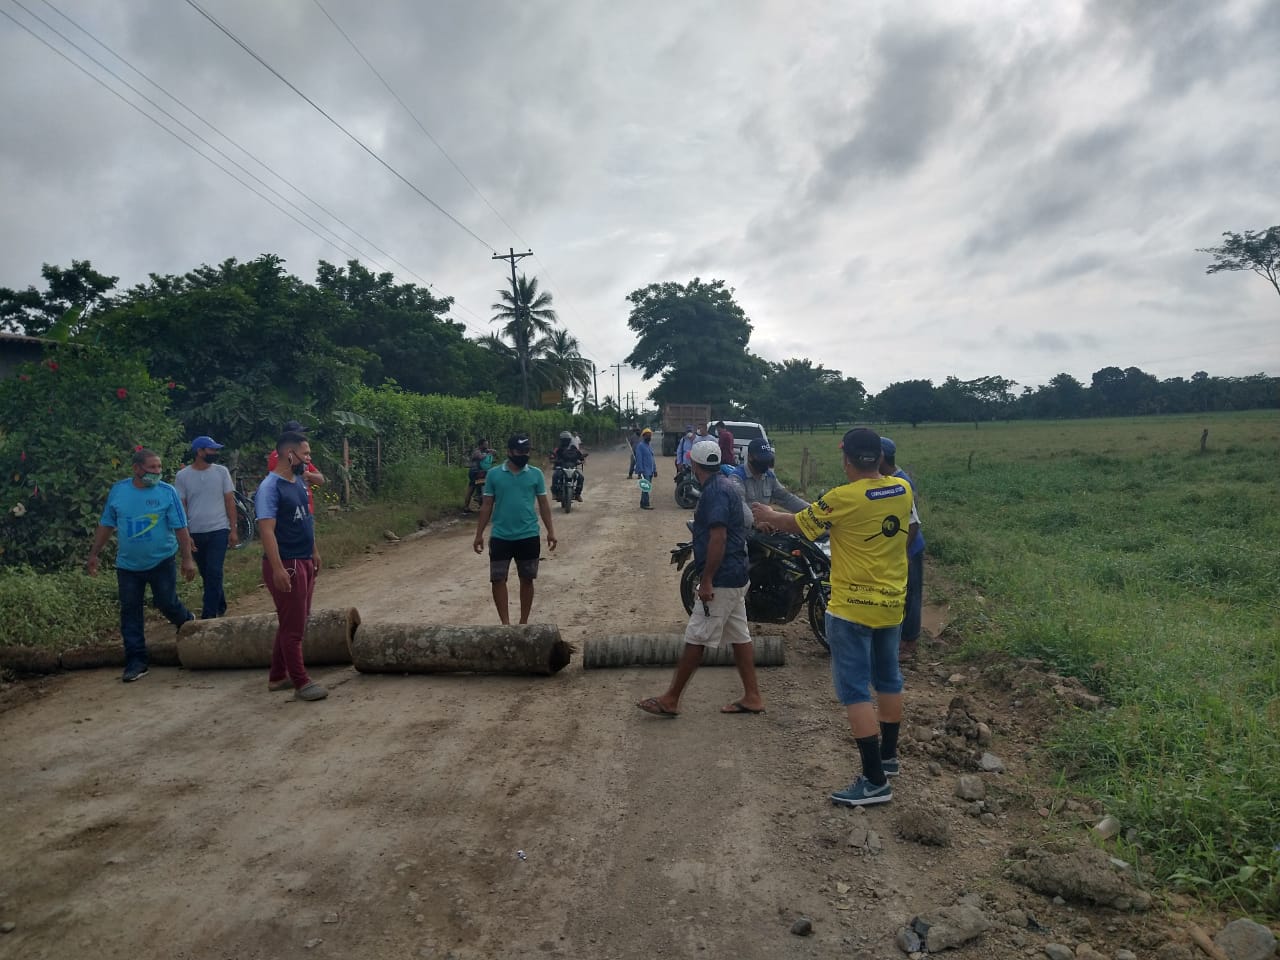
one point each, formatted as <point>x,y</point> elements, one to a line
<point>705,453</point>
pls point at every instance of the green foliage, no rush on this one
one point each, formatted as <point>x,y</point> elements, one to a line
<point>68,300</point>
<point>1117,552</point>
<point>62,609</point>
<point>798,394</point>
<point>1256,250</point>
<point>526,315</point>
<point>68,427</point>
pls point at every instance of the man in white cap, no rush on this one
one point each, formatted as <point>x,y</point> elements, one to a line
<point>208,497</point>
<point>720,611</point>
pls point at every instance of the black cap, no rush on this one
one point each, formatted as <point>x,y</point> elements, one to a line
<point>519,441</point>
<point>293,426</point>
<point>760,451</point>
<point>862,446</point>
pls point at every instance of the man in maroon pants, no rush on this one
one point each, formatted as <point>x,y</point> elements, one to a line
<point>290,562</point>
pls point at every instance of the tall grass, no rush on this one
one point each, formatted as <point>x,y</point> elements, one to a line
<point>1118,552</point>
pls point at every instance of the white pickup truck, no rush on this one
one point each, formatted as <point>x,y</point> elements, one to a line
<point>743,433</point>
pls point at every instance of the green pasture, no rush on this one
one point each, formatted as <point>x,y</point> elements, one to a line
<point>1118,552</point>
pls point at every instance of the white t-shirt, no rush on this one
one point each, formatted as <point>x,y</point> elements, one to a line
<point>203,493</point>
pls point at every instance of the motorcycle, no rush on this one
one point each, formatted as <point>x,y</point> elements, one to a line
<point>788,573</point>
<point>564,485</point>
<point>688,490</point>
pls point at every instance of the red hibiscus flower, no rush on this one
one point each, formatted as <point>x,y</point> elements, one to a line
<point>122,393</point>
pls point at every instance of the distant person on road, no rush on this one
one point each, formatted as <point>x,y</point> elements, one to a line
<point>570,456</point>
<point>915,557</point>
<point>682,449</point>
<point>514,495</point>
<point>719,611</point>
<point>867,519</point>
<point>150,525</point>
<point>477,465</point>
<point>646,466</point>
<point>208,496</point>
<point>723,437</point>
<point>632,439</point>
<point>290,562</point>
<point>312,476</point>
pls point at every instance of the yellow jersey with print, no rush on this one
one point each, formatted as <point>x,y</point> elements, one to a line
<point>869,522</point>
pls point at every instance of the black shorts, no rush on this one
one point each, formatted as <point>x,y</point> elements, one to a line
<point>524,552</point>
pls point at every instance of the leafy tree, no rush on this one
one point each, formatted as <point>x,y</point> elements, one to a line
<point>909,400</point>
<point>1256,250</point>
<point>798,394</point>
<point>67,429</point>
<point>525,314</point>
<point>560,364</point>
<point>63,308</point>
<point>694,338</point>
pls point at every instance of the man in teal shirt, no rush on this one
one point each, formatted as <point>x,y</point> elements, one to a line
<point>150,525</point>
<point>514,494</point>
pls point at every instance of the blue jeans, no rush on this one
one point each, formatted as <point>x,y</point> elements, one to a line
<point>915,598</point>
<point>211,553</point>
<point>132,585</point>
<point>863,657</point>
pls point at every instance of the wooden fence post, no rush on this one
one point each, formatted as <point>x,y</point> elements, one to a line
<point>804,470</point>
<point>1204,439</point>
<point>346,472</point>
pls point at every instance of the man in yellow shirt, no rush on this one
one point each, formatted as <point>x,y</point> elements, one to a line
<point>868,519</point>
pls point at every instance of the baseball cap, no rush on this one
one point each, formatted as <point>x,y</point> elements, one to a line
<point>862,446</point>
<point>205,443</point>
<point>646,432</point>
<point>760,450</point>
<point>293,426</point>
<point>889,447</point>
<point>705,453</point>
<point>519,441</point>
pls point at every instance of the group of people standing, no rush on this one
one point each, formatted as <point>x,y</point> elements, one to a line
<point>196,518</point>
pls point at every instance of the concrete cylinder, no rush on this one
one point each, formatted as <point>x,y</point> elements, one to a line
<point>535,648</point>
<point>236,642</point>
<point>663,650</point>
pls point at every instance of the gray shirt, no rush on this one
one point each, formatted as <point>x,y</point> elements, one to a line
<point>203,493</point>
<point>767,489</point>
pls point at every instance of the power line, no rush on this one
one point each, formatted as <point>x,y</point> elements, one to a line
<point>262,163</point>
<point>334,242</point>
<point>354,139</point>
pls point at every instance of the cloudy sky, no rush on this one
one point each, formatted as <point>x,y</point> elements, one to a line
<point>964,187</point>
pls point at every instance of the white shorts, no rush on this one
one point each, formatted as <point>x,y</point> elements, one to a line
<point>727,620</point>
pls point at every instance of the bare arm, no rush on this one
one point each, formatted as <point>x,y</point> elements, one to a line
<point>778,519</point>
<point>185,546</point>
<point>544,508</point>
<point>100,537</point>
<point>715,556</point>
<point>271,550</point>
<point>229,501</point>
<point>486,511</point>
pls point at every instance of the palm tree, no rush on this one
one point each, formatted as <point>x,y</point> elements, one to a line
<point>525,314</point>
<point>561,365</point>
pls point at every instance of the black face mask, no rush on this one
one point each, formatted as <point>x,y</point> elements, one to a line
<point>299,468</point>
<point>519,459</point>
<point>210,458</point>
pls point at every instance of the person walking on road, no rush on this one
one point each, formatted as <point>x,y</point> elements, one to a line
<point>683,446</point>
<point>867,519</point>
<point>514,496</point>
<point>725,438</point>
<point>720,613</point>
<point>911,617</point>
<point>150,525</point>
<point>208,496</point>
<point>290,562</point>
<point>646,466</point>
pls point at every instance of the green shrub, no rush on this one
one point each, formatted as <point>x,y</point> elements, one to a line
<point>68,427</point>
<point>66,608</point>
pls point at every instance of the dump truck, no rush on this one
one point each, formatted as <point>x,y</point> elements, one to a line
<point>677,416</point>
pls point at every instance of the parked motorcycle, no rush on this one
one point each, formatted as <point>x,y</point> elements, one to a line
<point>688,489</point>
<point>564,484</point>
<point>788,573</point>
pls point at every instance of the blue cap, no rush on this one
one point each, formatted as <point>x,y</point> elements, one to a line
<point>889,447</point>
<point>205,443</point>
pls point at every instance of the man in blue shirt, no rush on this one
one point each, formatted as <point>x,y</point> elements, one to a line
<point>514,495</point>
<point>646,467</point>
<point>150,525</point>
<point>290,561</point>
<point>720,612</point>
<point>915,557</point>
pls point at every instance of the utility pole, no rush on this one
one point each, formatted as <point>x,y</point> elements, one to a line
<point>595,384</point>
<point>618,367</point>
<point>515,304</point>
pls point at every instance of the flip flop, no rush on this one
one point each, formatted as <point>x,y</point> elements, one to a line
<point>653,706</point>
<point>740,707</point>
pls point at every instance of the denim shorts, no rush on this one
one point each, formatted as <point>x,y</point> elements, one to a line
<point>863,657</point>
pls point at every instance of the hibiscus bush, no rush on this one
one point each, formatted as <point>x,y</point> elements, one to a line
<point>68,426</point>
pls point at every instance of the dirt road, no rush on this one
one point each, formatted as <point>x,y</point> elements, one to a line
<point>196,815</point>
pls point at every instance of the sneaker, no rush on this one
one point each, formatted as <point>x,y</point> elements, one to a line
<point>134,673</point>
<point>285,684</point>
<point>312,691</point>
<point>862,793</point>
<point>890,766</point>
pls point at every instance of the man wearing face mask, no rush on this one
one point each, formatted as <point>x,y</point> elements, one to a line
<point>150,525</point>
<point>290,562</point>
<point>208,497</point>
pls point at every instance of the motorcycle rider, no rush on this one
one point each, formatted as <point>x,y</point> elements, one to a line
<point>570,457</point>
<point>682,449</point>
<point>760,484</point>
<point>479,463</point>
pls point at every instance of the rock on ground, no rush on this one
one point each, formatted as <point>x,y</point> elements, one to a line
<point>948,927</point>
<point>1082,875</point>
<point>927,826</point>
<point>1245,940</point>
<point>970,786</point>
<point>1058,951</point>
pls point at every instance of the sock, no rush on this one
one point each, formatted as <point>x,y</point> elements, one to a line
<point>888,740</point>
<point>869,747</point>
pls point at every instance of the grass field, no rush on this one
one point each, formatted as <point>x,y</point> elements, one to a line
<point>1120,554</point>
